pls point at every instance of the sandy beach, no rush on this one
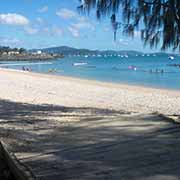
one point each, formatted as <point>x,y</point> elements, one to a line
<point>37,88</point>
<point>68,128</point>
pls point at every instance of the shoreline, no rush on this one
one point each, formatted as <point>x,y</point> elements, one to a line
<point>96,80</point>
<point>41,88</point>
<point>93,81</point>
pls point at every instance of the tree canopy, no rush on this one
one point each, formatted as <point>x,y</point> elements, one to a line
<point>157,20</point>
<point>9,49</point>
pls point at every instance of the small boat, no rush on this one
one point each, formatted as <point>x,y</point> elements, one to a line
<point>132,67</point>
<point>79,64</point>
<point>86,56</point>
<point>174,65</point>
<point>171,57</point>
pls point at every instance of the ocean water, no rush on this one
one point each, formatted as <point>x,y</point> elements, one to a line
<point>153,71</point>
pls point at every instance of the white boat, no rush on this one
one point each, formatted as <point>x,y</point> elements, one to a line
<point>171,57</point>
<point>86,56</point>
<point>79,64</point>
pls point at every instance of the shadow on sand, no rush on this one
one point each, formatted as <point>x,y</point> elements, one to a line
<point>87,143</point>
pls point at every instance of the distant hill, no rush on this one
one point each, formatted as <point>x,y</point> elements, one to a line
<point>72,51</point>
<point>66,50</point>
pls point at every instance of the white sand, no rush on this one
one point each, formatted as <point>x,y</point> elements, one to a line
<point>37,88</point>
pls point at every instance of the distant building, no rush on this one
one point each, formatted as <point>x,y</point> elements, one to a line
<point>39,52</point>
<point>4,53</point>
<point>13,52</point>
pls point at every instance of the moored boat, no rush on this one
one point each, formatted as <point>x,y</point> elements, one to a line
<point>79,64</point>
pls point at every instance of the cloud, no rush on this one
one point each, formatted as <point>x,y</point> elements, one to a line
<point>57,31</point>
<point>8,41</point>
<point>13,19</point>
<point>83,24</point>
<point>48,31</point>
<point>52,31</point>
<point>31,30</point>
<point>137,34</point>
<point>43,9</point>
<point>66,14</point>
<point>40,20</point>
<point>121,42</point>
<point>106,29</point>
<point>74,32</point>
<point>79,22</point>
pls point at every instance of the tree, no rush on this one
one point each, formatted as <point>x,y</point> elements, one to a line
<point>22,50</point>
<point>157,20</point>
<point>15,49</point>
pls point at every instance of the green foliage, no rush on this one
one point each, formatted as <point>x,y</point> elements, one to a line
<point>21,50</point>
<point>8,49</point>
<point>159,19</point>
<point>4,49</point>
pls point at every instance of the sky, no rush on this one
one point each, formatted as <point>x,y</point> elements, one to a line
<point>48,23</point>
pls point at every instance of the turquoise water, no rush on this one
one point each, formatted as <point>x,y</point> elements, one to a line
<point>113,69</point>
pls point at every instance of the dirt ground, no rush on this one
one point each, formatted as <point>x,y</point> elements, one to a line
<point>88,143</point>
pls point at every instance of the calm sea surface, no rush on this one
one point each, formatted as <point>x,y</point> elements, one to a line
<point>154,71</point>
